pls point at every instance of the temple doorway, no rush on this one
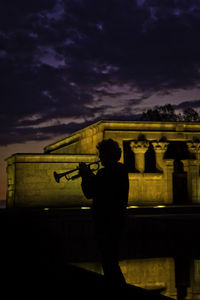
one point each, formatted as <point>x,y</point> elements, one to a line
<point>179,151</point>
<point>180,192</point>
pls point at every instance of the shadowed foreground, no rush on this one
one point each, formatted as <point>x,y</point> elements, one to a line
<point>24,280</point>
<point>34,261</point>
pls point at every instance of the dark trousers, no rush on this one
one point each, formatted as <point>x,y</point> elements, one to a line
<point>109,228</point>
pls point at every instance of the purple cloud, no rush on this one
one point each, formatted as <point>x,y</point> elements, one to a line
<point>55,56</point>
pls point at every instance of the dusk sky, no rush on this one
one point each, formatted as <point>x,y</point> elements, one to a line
<point>65,64</point>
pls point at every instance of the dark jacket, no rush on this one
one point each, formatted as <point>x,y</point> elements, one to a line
<point>108,189</point>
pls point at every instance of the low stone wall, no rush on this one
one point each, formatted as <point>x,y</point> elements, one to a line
<point>31,182</point>
<point>147,189</point>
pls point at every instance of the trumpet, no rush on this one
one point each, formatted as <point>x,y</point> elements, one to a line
<point>69,174</point>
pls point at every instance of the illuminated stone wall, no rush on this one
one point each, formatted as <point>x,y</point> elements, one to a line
<point>151,171</point>
<point>31,182</point>
<point>149,273</point>
<point>81,142</point>
<point>147,189</point>
<point>157,274</point>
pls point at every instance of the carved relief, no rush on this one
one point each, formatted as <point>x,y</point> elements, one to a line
<point>160,147</point>
<point>194,147</point>
<point>139,146</point>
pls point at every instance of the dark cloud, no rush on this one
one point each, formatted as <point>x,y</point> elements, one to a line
<point>187,104</point>
<point>133,102</point>
<point>24,134</point>
<point>15,15</point>
<point>150,49</point>
<point>103,93</point>
<point>55,57</point>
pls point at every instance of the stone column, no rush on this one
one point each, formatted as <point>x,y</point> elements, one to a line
<point>139,148</point>
<point>160,148</point>
<point>120,143</point>
<point>168,175</point>
<point>192,169</point>
<point>195,279</point>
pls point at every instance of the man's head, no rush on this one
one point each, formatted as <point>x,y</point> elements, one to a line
<point>109,152</point>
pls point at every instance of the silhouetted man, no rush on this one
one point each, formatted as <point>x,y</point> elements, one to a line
<point>109,191</point>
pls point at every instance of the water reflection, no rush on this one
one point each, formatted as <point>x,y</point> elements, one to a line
<point>178,278</point>
<point>159,252</point>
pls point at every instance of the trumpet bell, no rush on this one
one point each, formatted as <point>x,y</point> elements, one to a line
<point>57,177</point>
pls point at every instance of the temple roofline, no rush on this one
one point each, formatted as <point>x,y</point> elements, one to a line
<point>42,158</point>
<point>103,125</point>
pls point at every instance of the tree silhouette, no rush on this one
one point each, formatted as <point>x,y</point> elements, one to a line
<point>167,113</point>
<point>190,115</point>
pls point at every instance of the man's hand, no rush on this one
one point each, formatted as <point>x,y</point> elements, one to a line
<point>84,170</point>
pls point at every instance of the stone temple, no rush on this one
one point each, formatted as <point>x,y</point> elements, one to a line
<point>163,160</point>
